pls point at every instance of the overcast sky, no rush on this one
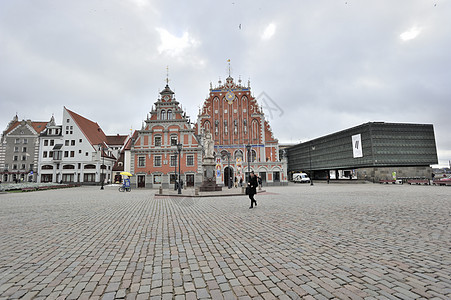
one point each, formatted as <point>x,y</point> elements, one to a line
<point>316,66</point>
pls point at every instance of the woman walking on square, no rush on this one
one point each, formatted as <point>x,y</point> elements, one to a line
<point>253,183</point>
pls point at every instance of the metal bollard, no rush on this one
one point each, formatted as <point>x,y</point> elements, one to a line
<point>160,190</point>
<point>196,191</point>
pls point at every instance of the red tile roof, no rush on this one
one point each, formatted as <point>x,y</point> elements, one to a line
<point>37,126</point>
<point>128,146</point>
<point>116,139</point>
<point>91,130</point>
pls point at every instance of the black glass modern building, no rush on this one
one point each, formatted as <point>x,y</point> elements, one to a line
<point>373,151</point>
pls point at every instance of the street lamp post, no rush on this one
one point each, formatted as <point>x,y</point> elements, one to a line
<point>175,171</point>
<point>248,148</point>
<point>228,170</point>
<point>179,149</point>
<point>102,178</point>
<point>310,156</point>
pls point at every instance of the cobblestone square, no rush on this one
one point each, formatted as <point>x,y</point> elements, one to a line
<point>337,241</point>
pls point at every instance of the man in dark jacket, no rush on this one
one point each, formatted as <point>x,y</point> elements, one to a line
<point>253,183</point>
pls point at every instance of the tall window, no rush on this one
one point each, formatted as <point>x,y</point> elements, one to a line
<point>89,177</point>
<point>58,155</point>
<point>255,130</point>
<point>174,140</point>
<point>163,115</point>
<point>141,161</point>
<point>157,161</point>
<point>169,114</point>
<point>157,141</point>
<point>173,160</point>
<point>190,160</point>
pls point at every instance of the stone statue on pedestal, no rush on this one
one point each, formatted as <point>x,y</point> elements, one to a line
<point>208,165</point>
<point>209,145</point>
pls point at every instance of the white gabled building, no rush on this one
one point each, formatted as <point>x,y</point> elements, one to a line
<point>74,152</point>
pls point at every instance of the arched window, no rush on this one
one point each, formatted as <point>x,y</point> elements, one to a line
<point>255,130</point>
<point>253,155</point>
<point>169,114</point>
<point>68,167</point>
<point>238,153</point>
<point>163,115</point>
<point>207,126</point>
<point>224,154</point>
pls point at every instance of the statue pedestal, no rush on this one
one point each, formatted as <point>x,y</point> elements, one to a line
<point>209,178</point>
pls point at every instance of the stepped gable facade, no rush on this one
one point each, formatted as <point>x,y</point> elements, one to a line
<point>153,151</point>
<point>234,118</point>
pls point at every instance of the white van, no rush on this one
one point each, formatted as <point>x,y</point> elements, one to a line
<point>301,177</point>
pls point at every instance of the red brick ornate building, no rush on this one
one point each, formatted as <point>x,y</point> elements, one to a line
<point>235,120</point>
<point>154,158</point>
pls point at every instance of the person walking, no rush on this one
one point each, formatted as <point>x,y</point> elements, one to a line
<point>253,183</point>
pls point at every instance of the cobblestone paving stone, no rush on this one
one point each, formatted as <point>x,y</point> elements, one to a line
<point>350,241</point>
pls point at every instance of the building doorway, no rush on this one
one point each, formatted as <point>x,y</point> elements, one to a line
<point>276,176</point>
<point>228,176</point>
<point>141,181</point>
<point>189,180</point>
<point>263,177</point>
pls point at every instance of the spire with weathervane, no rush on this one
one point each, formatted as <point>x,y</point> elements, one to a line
<point>167,94</point>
